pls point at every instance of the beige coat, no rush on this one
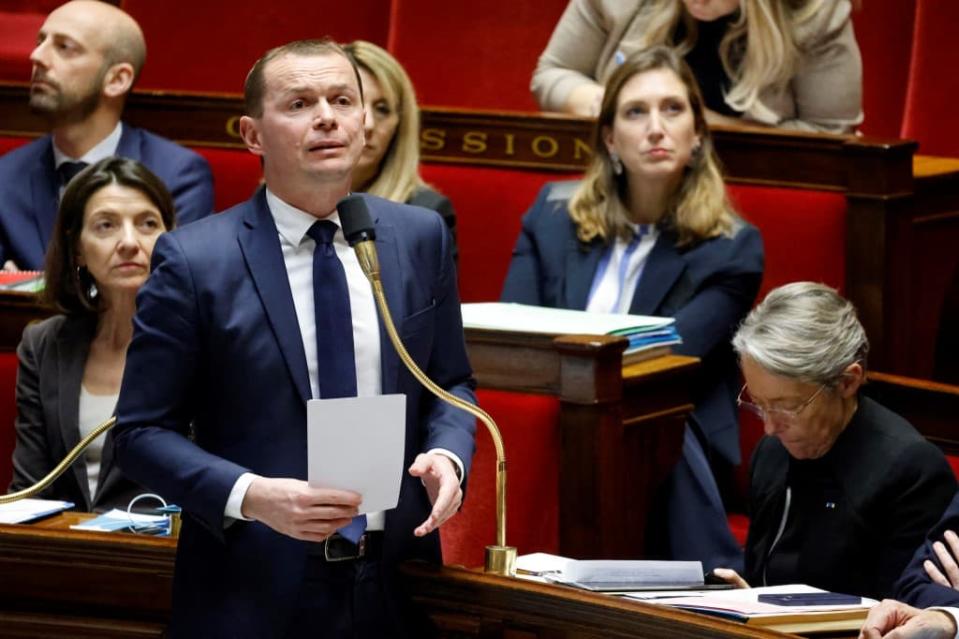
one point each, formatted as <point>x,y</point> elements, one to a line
<point>825,95</point>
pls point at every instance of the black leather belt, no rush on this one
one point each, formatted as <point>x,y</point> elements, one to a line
<point>338,548</point>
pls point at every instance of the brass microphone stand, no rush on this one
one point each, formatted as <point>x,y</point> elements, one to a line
<point>500,558</point>
<point>60,468</point>
<point>65,463</point>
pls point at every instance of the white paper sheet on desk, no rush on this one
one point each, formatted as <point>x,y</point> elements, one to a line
<point>19,512</point>
<point>357,443</point>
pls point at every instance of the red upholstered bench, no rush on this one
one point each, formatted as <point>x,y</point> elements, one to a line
<point>236,174</point>
<point>531,438</point>
<point>8,415</point>
<point>489,205</point>
<point>20,20</point>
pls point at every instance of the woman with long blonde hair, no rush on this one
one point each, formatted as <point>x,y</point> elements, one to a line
<point>390,164</point>
<point>649,231</point>
<point>787,63</point>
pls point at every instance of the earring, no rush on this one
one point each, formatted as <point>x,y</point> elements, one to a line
<point>617,163</point>
<point>92,291</point>
<point>694,157</point>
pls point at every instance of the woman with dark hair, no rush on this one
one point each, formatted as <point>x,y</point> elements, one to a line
<point>649,231</point>
<point>71,364</point>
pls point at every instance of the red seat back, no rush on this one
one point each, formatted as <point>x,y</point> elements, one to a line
<point>8,415</point>
<point>475,56</point>
<point>489,205</point>
<point>884,33</point>
<point>933,83</point>
<point>236,174</point>
<point>210,46</point>
<point>531,439</point>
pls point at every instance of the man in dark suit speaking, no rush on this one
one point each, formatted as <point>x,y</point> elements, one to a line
<point>88,56</point>
<point>246,316</point>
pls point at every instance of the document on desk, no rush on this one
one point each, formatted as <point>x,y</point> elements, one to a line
<point>357,443</point>
<point>20,512</point>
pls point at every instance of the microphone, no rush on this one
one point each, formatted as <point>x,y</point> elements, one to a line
<point>360,233</point>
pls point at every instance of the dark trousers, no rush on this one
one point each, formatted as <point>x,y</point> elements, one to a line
<point>695,516</point>
<point>346,600</point>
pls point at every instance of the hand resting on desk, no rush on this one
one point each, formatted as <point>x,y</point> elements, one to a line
<point>895,620</point>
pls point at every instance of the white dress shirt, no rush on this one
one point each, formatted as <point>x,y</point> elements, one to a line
<point>292,225</point>
<point>619,271</point>
<point>94,410</point>
<point>103,149</point>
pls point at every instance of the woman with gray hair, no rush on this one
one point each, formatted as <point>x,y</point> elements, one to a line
<point>842,490</point>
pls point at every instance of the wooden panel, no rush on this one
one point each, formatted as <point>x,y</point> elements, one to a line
<point>929,406</point>
<point>464,604</point>
<point>64,582</point>
<point>536,141</point>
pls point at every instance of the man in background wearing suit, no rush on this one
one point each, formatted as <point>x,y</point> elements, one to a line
<point>930,583</point>
<point>88,56</point>
<point>229,345</point>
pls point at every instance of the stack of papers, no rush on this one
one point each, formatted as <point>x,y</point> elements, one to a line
<point>120,520</point>
<point>23,281</point>
<point>744,606</point>
<point>648,336</point>
<point>25,510</point>
<point>613,575</point>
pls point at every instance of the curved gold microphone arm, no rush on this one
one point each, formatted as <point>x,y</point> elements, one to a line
<point>60,468</point>
<point>500,559</point>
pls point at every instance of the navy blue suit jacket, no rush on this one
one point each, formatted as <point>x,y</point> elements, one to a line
<point>708,287</point>
<point>914,586</point>
<point>216,385</point>
<point>29,189</point>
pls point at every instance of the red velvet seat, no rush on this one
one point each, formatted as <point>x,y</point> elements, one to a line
<point>210,46</point>
<point>236,174</point>
<point>8,414</point>
<point>933,83</point>
<point>531,438</point>
<point>18,37</point>
<point>489,204</point>
<point>884,33</point>
<point>474,56</point>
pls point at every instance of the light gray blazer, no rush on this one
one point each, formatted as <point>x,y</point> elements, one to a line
<point>53,354</point>
<point>825,95</point>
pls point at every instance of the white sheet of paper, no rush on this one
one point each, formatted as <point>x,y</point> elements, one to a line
<point>357,443</point>
<point>25,510</point>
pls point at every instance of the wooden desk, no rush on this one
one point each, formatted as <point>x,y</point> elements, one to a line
<point>58,582</point>
<point>620,429</point>
<point>465,604</point>
<point>63,583</point>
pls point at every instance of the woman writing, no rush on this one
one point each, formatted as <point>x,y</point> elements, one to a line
<point>649,230</point>
<point>787,63</point>
<point>71,364</point>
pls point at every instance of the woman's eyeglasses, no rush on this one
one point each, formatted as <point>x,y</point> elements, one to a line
<point>785,416</point>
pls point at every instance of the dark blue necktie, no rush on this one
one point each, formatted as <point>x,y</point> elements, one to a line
<point>336,367</point>
<point>67,170</point>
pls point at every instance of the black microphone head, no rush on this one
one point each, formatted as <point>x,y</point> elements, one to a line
<point>355,219</point>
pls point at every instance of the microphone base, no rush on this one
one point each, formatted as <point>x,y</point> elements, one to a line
<point>501,560</point>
